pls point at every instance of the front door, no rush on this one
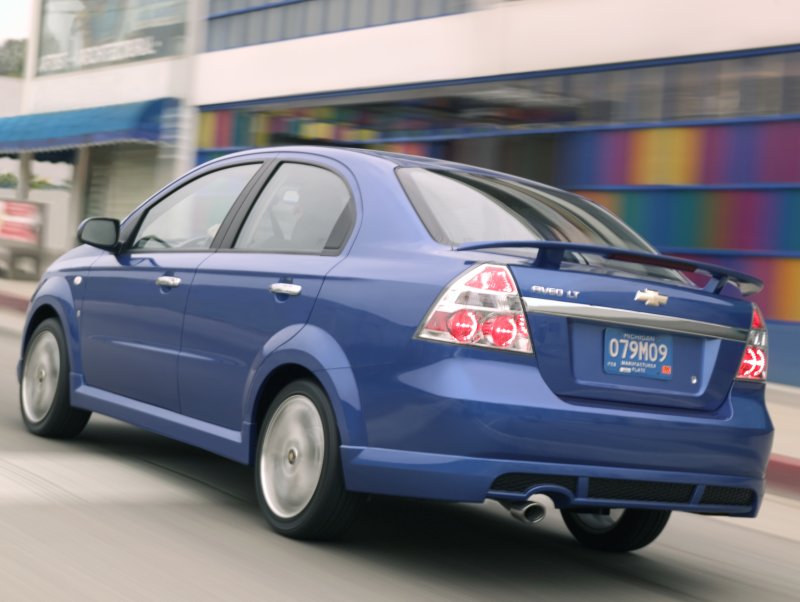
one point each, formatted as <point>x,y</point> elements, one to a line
<point>135,300</point>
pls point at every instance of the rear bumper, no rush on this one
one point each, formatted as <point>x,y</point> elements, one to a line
<point>481,425</point>
<point>463,479</point>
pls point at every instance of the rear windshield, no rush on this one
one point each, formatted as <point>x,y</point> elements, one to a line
<point>459,207</point>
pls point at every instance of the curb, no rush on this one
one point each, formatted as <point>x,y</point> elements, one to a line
<point>783,475</point>
<point>13,302</point>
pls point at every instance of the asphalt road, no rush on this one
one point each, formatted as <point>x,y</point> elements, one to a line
<point>121,514</point>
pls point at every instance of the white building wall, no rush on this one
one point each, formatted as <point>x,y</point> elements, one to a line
<point>10,96</point>
<point>110,85</point>
<point>506,37</point>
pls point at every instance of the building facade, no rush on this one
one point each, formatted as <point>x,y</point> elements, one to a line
<point>682,117</point>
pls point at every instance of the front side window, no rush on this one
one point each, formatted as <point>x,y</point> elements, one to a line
<point>188,219</point>
<point>303,209</point>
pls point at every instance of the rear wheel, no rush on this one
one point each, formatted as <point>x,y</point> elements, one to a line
<point>44,389</point>
<point>299,482</point>
<point>616,530</point>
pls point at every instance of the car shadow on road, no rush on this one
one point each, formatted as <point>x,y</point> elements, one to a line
<point>477,546</point>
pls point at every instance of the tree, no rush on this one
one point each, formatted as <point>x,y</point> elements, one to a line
<point>8,180</point>
<point>12,58</point>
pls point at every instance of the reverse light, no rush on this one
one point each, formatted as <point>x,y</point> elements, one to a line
<point>482,309</point>
<point>753,366</point>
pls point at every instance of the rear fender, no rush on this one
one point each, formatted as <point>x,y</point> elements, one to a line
<point>318,352</point>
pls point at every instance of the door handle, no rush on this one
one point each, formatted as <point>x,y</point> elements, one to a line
<point>168,281</point>
<point>286,288</point>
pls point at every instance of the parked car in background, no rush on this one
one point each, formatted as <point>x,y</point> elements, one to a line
<point>354,322</point>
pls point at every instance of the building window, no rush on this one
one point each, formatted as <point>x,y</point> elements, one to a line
<point>235,23</point>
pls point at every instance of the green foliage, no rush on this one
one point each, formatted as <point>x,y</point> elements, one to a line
<point>12,58</point>
<point>8,180</point>
<point>41,183</point>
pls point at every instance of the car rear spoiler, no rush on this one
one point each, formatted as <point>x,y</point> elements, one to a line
<point>551,254</point>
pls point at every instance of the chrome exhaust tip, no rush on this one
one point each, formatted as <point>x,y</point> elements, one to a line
<point>529,513</point>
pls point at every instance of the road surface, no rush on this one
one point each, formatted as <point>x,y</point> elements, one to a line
<point>121,514</point>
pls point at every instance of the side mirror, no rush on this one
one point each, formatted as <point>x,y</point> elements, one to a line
<point>100,232</point>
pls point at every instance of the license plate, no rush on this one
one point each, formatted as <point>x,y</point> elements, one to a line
<point>634,353</point>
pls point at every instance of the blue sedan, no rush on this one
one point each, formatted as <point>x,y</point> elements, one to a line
<point>354,322</point>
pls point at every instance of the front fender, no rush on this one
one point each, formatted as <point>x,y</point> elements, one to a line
<point>55,292</point>
<point>317,351</point>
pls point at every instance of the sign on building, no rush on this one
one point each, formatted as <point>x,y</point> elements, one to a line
<point>80,34</point>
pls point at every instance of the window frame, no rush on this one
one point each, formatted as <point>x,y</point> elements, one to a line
<point>133,224</point>
<point>237,223</point>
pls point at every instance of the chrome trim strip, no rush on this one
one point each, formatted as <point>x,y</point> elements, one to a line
<point>636,319</point>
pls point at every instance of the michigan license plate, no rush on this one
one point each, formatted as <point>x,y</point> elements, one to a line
<point>637,354</point>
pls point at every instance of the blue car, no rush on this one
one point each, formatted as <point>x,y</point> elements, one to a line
<point>354,322</point>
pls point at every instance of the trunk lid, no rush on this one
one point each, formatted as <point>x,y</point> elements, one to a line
<point>600,336</point>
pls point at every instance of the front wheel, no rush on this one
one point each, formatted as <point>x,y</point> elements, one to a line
<point>299,482</point>
<point>44,389</point>
<point>615,530</point>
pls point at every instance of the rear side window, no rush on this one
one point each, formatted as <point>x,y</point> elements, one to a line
<point>302,209</point>
<point>459,207</point>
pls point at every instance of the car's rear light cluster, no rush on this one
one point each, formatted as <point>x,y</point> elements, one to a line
<point>482,308</point>
<point>753,366</point>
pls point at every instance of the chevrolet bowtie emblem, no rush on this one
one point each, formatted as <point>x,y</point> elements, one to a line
<point>651,298</point>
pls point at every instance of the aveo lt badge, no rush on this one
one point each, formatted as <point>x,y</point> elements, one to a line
<point>651,298</point>
<point>554,292</point>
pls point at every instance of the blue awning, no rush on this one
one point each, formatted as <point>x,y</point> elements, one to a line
<point>48,134</point>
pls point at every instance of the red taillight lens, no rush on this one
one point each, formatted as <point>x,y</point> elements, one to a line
<point>757,323</point>
<point>493,278</point>
<point>500,330</point>
<point>753,366</point>
<point>482,308</point>
<point>463,325</point>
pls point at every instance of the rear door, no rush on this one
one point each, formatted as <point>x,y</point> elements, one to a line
<point>132,313</point>
<point>265,281</point>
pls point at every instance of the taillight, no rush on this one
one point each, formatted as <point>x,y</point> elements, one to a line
<point>482,308</point>
<point>753,366</point>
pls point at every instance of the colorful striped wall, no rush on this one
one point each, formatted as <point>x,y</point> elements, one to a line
<point>747,153</point>
<point>729,193</point>
<point>750,220</point>
<point>221,132</point>
<point>231,129</point>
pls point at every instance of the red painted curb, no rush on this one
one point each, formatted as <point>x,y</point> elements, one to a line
<point>13,302</point>
<point>783,474</point>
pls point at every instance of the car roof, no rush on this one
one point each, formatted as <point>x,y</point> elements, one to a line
<point>351,155</point>
<point>347,154</point>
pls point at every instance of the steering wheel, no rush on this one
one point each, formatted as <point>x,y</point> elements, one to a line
<point>142,242</point>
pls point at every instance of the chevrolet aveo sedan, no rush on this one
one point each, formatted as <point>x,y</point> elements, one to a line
<point>355,322</point>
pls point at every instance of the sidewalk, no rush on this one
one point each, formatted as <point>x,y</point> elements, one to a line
<point>783,401</point>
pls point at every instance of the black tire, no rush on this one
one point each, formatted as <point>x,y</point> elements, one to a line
<point>44,402</point>
<point>631,531</point>
<point>331,509</point>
